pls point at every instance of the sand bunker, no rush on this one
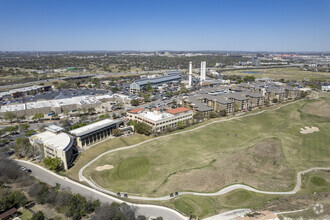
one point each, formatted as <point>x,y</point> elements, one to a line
<point>104,167</point>
<point>309,130</point>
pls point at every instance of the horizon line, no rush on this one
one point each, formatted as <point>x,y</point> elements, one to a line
<point>165,50</point>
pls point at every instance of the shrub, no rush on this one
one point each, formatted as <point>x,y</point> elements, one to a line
<point>117,132</point>
<point>54,164</point>
<point>142,128</point>
<point>135,102</point>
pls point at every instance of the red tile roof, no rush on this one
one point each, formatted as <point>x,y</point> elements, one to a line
<point>136,110</point>
<point>178,110</point>
<point>156,109</point>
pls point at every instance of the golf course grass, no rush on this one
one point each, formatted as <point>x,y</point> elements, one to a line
<point>264,151</point>
<point>133,167</point>
<point>207,206</point>
<point>94,151</point>
<point>291,73</point>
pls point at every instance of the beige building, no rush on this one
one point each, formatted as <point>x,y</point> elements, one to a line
<point>161,120</point>
<point>218,102</point>
<point>55,143</point>
<point>254,99</point>
<point>95,132</point>
<point>196,104</point>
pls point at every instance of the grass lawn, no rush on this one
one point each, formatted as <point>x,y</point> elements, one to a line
<point>208,206</point>
<point>282,73</point>
<point>205,206</point>
<point>25,214</point>
<point>96,150</point>
<point>266,154</point>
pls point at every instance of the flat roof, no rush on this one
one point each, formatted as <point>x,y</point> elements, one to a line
<point>93,127</point>
<point>54,128</point>
<point>158,80</point>
<point>58,140</point>
<point>155,116</point>
<point>77,100</point>
<point>13,108</point>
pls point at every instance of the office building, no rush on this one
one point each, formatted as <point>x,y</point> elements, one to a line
<point>95,132</point>
<point>55,143</point>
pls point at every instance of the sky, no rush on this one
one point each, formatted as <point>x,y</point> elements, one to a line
<point>149,25</point>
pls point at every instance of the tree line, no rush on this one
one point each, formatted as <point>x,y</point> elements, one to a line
<point>74,206</point>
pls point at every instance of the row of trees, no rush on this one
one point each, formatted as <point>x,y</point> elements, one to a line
<point>11,116</point>
<point>239,79</point>
<point>72,205</point>
<point>14,129</point>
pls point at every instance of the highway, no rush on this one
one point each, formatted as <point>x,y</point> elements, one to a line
<point>67,184</point>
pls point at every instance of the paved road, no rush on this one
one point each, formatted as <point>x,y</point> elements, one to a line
<point>220,192</point>
<point>67,184</point>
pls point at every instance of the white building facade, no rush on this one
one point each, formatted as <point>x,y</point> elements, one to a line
<point>161,120</point>
<point>55,143</point>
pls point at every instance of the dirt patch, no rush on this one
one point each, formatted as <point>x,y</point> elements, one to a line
<point>104,167</point>
<point>309,130</point>
<point>262,166</point>
<point>319,108</point>
<point>270,148</point>
<point>303,200</point>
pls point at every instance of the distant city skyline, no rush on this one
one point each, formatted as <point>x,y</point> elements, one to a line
<point>181,25</point>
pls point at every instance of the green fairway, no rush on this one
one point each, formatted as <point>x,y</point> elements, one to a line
<point>133,167</point>
<point>292,73</point>
<point>96,150</point>
<point>205,206</point>
<point>266,153</point>
<point>318,181</point>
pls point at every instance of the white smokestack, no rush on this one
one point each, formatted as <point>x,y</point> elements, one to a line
<point>203,71</point>
<point>190,74</point>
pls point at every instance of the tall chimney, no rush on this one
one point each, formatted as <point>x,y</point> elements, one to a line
<point>203,72</point>
<point>190,74</point>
